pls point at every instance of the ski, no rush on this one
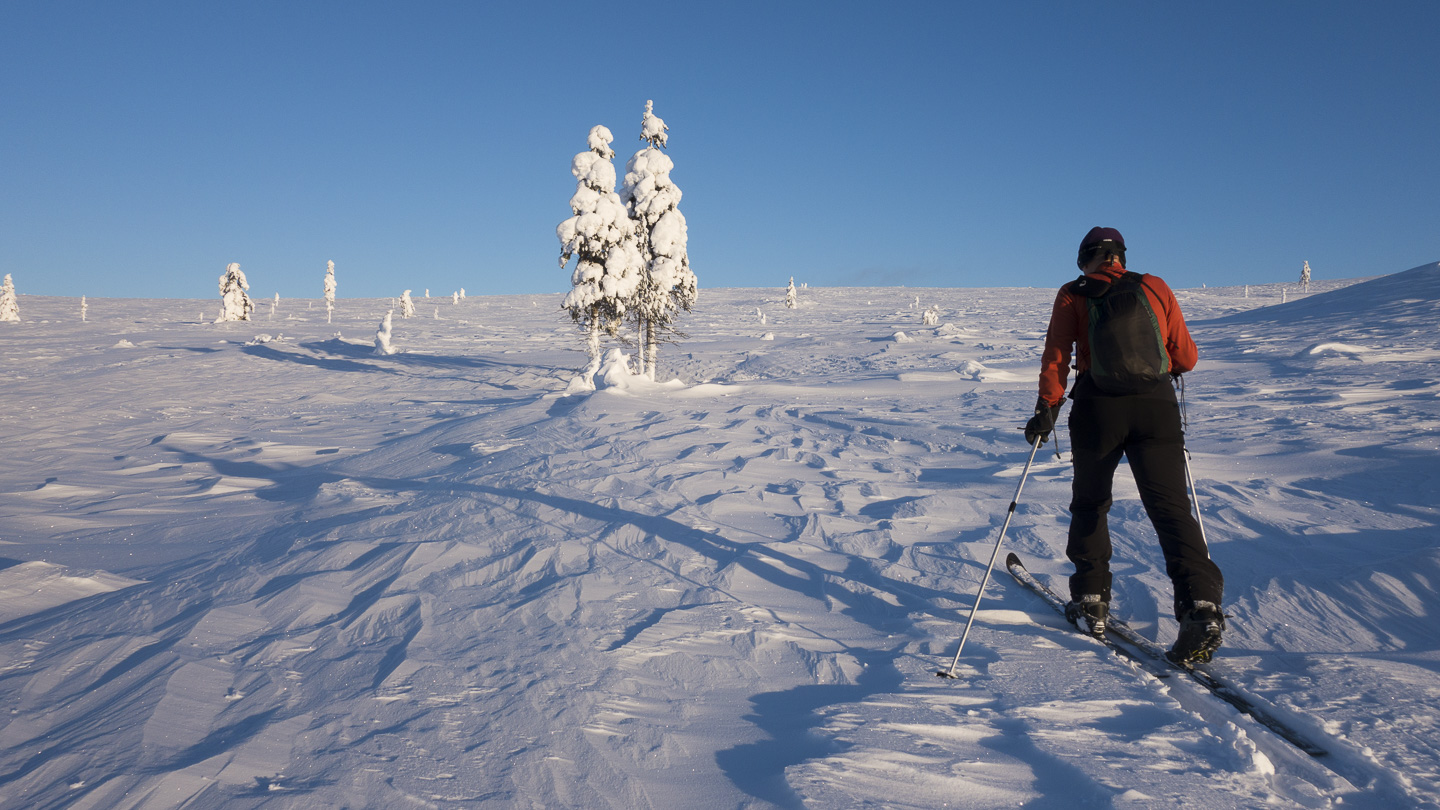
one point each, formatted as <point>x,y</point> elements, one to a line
<point>1124,640</point>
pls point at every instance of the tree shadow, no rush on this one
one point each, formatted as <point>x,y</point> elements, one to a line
<point>328,364</point>
<point>787,716</point>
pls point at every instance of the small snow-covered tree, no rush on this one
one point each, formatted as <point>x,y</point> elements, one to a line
<point>407,306</point>
<point>274,305</point>
<point>790,301</point>
<point>602,237</point>
<point>9,303</point>
<point>329,290</point>
<point>236,305</point>
<point>84,309</point>
<point>383,335</point>
<point>1305,278</point>
<point>931,317</point>
<point>653,202</point>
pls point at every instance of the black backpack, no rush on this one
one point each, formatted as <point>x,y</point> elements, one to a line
<point>1127,349</point>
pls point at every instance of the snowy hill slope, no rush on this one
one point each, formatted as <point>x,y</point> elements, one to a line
<point>252,565</point>
<point>1396,299</point>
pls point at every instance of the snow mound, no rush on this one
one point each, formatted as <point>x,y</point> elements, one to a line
<point>983,373</point>
<point>616,376</point>
<point>1336,348</point>
<point>31,587</point>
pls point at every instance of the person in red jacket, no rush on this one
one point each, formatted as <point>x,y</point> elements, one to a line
<point>1137,418</point>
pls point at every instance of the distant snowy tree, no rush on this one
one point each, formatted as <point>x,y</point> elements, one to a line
<point>462,293</point>
<point>454,297</point>
<point>931,316</point>
<point>407,306</point>
<point>601,235</point>
<point>274,305</point>
<point>790,300</point>
<point>9,303</point>
<point>237,306</point>
<point>1305,278</point>
<point>383,335</point>
<point>84,309</point>
<point>653,202</point>
<point>329,290</point>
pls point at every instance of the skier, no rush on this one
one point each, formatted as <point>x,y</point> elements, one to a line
<point>1130,339</point>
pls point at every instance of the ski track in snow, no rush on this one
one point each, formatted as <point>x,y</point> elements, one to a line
<point>256,565</point>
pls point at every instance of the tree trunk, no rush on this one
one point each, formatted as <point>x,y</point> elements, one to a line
<point>592,336</point>
<point>640,345</point>
<point>652,340</point>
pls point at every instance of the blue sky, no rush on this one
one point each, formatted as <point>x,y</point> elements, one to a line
<point>427,145</point>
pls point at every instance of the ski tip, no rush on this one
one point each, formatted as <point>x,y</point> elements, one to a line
<point>1013,560</point>
<point>940,673</point>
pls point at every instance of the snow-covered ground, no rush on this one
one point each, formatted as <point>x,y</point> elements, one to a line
<point>256,564</point>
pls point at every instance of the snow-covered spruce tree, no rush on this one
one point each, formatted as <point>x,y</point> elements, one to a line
<point>602,237</point>
<point>1305,278</point>
<point>236,305</point>
<point>9,304</point>
<point>653,202</point>
<point>790,301</point>
<point>407,306</point>
<point>84,310</point>
<point>383,335</point>
<point>329,290</point>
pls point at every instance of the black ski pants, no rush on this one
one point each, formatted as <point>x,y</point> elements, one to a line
<point>1147,433</point>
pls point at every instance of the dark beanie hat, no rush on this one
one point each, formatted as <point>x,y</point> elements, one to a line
<point>1098,234</point>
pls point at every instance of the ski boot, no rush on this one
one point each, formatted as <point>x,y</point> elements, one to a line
<point>1089,612</point>
<point>1201,626</point>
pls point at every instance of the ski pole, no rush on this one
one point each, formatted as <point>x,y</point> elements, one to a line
<point>975,608</point>
<point>1185,451</point>
<point>1195,498</point>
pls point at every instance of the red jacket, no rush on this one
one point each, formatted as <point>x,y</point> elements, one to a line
<point>1070,319</point>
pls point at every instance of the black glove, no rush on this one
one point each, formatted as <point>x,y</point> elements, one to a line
<point>1042,422</point>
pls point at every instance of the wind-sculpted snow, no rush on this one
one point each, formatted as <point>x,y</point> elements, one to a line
<point>291,572</point>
